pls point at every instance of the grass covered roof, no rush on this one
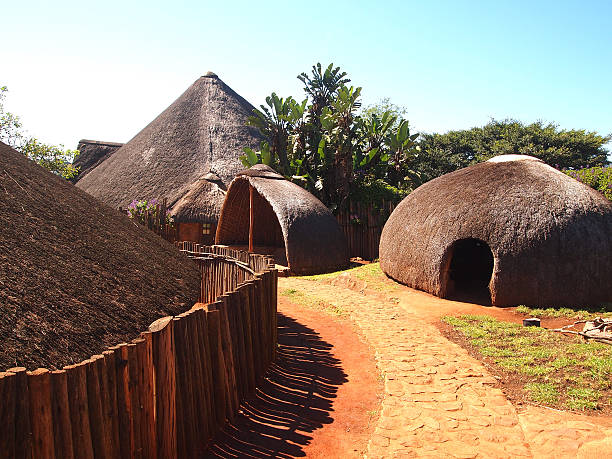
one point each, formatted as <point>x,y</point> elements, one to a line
<point>550,235</point>
<point>203,131</point>
<point>76,276</point>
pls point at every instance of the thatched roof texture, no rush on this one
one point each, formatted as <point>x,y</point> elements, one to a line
<point>285,215</point>
<point>550,236</point>
<point>202,203</point>
<point>76,276</point>
<point>92,153</point>
<point>203,131</point>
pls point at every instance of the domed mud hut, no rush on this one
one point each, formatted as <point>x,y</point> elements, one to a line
<point>509,231</point>
<point>203,132</point>
<point>270,215</point>
<point>76,276</point>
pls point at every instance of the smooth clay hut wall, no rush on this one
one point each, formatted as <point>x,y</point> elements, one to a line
<point>550,236</point>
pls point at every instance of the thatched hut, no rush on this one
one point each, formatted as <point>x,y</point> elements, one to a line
<point>197,212</point>
<point>92,153</point>
<point>270,215</point>
<point>76,276</point>
<point>203,131</point>
<point>508,231</point>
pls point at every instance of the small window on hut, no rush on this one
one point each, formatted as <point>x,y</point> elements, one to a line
<point>206,227</point>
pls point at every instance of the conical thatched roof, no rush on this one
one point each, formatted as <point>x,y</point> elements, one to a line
<point>286,214</point>
<point>75,275</point>
<point>203,131</point>
<point>202,203</point>
<point>549,235</point>
<point>92,153</point>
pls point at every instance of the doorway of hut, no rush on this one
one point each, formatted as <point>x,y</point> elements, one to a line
<point>265,233</point>
<point>469,267</point>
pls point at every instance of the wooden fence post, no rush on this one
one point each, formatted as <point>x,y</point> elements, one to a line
<point>7,413</point>
<point>162,331</point>
<point>79,410</point>
<point>39,382</point>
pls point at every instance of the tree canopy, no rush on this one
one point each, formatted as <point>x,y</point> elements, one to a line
<point>54,158</point>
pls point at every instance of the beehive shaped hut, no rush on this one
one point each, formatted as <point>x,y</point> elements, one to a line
<point>92,153</point>
<point>203,131</point>
<point>271,215</point>
<point>76,276</point>
<point>512,228</point>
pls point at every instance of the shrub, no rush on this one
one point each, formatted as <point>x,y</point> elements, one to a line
<point>599,178</point>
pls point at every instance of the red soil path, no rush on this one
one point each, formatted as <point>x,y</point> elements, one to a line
<point>317,401</point>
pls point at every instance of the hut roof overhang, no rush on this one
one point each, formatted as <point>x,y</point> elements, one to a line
<point>77,276</point>
<point>313,240</point>
<point>203,131</point>
<point>549,234</point>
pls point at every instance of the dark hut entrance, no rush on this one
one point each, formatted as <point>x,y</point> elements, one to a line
<point>469,267</point>
<point>265,234</point>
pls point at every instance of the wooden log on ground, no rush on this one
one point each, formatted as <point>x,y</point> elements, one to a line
<point>162,331</point>
<point>76,376</point>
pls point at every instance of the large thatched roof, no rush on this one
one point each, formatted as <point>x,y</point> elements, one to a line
<point>550,236</point>
<point>76,276</point>
<point>286,214</point>
<point>203,131</point>
<point>92,153</point>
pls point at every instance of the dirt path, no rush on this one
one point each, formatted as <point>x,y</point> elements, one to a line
<point>317,401</point>
<point>439,401</point>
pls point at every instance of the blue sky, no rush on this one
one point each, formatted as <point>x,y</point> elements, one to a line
<point>103,71</point>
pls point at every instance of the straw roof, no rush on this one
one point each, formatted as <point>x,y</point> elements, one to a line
<point>203,131</point>
<point>313,240</point>
<point>77,276</point>
<point>92,153</point>
<point>202,203</point>
<point>550,236</point>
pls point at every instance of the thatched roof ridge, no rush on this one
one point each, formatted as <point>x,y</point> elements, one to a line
<point>314,242</point>
<point>202,203</point>
<point>203,131</point>
<point>76,276</point>
<point>92,153</point>
<point>261,170</point>
<point>550,235</point>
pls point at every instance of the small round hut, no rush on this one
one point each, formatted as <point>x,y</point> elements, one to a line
<point>197,212</point>
<point>508,231</point>
<point>273,216</point>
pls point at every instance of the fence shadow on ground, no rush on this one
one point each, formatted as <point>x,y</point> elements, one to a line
<point>295,399</point>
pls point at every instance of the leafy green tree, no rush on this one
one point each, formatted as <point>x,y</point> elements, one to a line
<point>564,149</point>
<point>54,158</point>
<point>326,145</point>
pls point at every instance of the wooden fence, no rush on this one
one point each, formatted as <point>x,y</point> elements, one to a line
<point>362,224</point>
<point>164,394</point>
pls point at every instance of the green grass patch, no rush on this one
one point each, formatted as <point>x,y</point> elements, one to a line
<point>577,313</point>
<point>555,370</point>
<point>370,273</point>
<point>303,299</point>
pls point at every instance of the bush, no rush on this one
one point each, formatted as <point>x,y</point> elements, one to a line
<point>599,178</point>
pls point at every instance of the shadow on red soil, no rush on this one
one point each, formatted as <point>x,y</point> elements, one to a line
<point>294,400</point>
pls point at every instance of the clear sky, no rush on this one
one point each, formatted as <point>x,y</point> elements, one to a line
<point>103,70</point>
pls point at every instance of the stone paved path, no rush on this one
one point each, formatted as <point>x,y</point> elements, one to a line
<point>439,401</point>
